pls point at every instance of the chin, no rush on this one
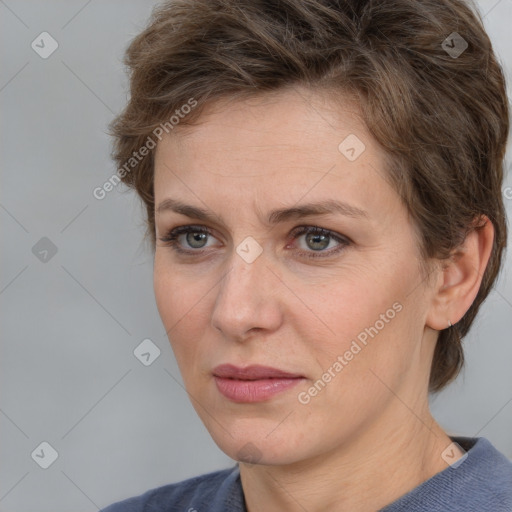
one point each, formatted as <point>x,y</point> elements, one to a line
<point>258,444</point>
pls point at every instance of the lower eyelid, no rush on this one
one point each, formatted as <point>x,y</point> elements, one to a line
<point>326,253</point>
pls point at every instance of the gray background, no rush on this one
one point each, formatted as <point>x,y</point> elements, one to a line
<point>70,324</point>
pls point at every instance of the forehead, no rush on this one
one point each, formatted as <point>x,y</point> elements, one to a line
<point>294,142</point>
<point>293,116</point>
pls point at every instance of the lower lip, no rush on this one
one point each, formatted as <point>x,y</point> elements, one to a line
<point>247,391</point>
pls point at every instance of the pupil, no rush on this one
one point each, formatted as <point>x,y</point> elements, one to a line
<point>196,240</point>
<point>321,241</point>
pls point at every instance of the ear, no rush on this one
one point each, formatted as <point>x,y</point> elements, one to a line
<point>461,275</point>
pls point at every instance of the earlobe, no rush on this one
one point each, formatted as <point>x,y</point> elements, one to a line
<point>461,276</point>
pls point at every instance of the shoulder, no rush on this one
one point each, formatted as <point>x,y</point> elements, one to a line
<point>216,491</point>
<point>482,481</point>
<point>491,471</point>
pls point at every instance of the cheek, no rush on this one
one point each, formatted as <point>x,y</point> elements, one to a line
<point>180,303</point>
<point>364,317</point>
<point>184,301</point>
<point>177,293</point>
<point>166,296</point>
<point>365,351</point>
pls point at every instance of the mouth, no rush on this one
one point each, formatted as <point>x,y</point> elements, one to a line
<point>253,383</point>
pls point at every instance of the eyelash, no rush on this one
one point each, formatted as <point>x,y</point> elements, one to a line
<point>171,239</point>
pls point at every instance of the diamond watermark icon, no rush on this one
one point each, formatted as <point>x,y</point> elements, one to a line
<point>249,249</point>
<point>351,147</point>
<point>44,45</point>
<point>249,454</point>
<point>454,45</point>
<point>450,454</point>
<point>44,250</point>
<point>45,455</point>
<point>146,352</point>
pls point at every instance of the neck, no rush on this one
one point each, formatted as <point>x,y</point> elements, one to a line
<point>354,476</point>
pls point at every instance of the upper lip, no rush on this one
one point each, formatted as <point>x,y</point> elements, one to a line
<point>253,372</point>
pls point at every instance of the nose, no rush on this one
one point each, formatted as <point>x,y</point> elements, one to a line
<point>247,299</point>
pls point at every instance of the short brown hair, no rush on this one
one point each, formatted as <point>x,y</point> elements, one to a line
<point>441,117</point>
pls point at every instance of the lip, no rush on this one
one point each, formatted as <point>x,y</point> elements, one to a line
<point>253,383</point>
<point>253,372</point>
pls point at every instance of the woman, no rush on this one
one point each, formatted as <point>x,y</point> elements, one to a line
<point>323,189</point>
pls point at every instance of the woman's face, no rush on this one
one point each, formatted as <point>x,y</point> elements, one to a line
<point>342,310</point>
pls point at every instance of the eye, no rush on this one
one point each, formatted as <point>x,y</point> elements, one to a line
<point>190,237</point>
<point>317,240</point>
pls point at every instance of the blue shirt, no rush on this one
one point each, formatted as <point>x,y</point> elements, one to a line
<point>481,483</point>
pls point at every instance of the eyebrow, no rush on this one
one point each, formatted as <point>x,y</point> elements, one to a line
<point>275,216</point>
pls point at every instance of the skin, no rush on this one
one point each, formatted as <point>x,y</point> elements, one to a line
<point>299,314</point>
